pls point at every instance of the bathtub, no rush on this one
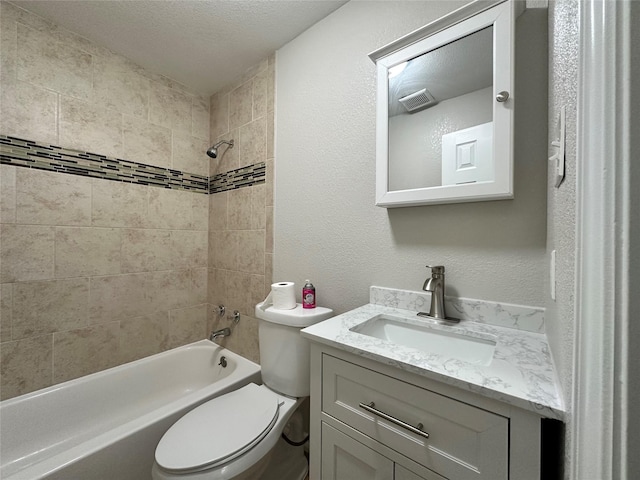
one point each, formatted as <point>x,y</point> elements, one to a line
<point>107,425</point>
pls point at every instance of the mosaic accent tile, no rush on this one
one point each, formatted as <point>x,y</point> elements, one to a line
<point>241,177</point>
<point>26,153</point>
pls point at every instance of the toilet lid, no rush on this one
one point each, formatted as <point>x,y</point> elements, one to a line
<point>219,430</point>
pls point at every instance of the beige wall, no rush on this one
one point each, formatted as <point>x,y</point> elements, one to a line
<point>327,227</point>
<point>241,221</point>
<point>95,273</point>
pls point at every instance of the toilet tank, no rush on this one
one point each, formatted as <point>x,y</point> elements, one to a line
<point>284,353</point>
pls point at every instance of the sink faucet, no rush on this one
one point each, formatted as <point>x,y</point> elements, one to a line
<point>435,285</point>
<point>223,332</point>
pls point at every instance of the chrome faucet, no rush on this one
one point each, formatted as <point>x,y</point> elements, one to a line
<point>223,332</point>
<point>435,285</point>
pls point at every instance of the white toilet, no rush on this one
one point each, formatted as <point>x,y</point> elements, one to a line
<point>233,436</point>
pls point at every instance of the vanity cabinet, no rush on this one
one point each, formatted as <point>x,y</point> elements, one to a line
<point>375,421</point>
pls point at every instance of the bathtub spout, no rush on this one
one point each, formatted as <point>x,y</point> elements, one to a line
<point>224,332</point>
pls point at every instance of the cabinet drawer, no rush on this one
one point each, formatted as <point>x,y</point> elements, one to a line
<point>464,442</point>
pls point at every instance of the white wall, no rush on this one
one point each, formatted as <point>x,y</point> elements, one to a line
<point>561,237</point>
<point>326,225</point>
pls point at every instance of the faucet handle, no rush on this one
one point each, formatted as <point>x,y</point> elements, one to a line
<point>437,269</point>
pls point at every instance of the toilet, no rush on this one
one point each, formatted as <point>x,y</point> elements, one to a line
<point>234,436</point>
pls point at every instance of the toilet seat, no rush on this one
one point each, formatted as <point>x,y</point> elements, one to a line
<point>219,430</point>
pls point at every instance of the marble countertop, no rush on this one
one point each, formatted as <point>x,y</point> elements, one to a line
<point>520,374</point>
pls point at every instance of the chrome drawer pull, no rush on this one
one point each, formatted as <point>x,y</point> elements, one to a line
<point>371,407</point>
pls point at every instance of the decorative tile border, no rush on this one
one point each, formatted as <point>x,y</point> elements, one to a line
<point>241,177</point>
<point>26,153</point>
<point>530,319</point>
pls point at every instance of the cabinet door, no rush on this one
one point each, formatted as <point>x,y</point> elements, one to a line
<point>344,458</point>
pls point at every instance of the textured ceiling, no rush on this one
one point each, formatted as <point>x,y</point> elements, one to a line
<point>202,44</point>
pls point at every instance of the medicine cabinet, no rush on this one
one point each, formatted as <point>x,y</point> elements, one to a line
<point>445,107</point>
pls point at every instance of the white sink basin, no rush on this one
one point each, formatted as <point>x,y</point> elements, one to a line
<point>473,348</point>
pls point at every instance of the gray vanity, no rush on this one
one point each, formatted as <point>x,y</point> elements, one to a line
<point>469,406</point>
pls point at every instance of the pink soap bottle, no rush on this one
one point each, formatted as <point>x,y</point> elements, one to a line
<point>308,295</point>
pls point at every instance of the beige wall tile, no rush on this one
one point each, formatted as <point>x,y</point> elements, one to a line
<point>260,94</point>
<point>239,209</point>
<point>252,249</point>
<point>218,211</point>
<point>90,128</point>
<point>170,108</point>
<point>26,253</point>
<point>118,85</point>
<point>188,325</point>
<point>243,291</point>
<point>271,84</point>
<point>216,287</point>
<point>268,235</point>
<point>228,158</point>
<point>226,248</point>
<point>216,240</point>
<point>270,134</point>
<point>146,143</point>
<point>7,194</point>
<point>190,154</point>
<point>85,350</point>
<point>199,212</point>
<point>146,250</point>
<point>8,43</point>
<point>144,336</point>
<point>177,210</point>
<point>189,249</point>
<point>48,198</point>
<point>180,288</point>
<point>241,105</point>
<point>46,62</point>
<point>170,209</point>
<point>246,338</point>
<point>87,251</point>
<point>253,142</point>
<point>116,204</point>
<point>252,71</point>
<point>269,170</point>
<point>200,118</point>
<point>268,273</point>
<point>258,198</point>
<point>29,112</point>
<point>25,366</point>
<point>46,307</point>
<point>6,311</point>
<point>117,297</point>
<point>219,115</point>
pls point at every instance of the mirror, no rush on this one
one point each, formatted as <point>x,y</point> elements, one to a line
<point>445,110</point>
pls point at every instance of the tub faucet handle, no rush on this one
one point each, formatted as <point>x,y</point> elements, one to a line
<point>223,332</point>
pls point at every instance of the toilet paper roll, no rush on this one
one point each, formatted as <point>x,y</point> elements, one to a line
<point>282,296</point>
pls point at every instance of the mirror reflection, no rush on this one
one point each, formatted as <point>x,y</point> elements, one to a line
<point>441,114</point>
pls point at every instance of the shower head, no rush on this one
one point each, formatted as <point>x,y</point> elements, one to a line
<point>213,151</point>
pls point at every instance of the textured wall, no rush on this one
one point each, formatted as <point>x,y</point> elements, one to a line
<point>95,273</point>
<point>326,225</point>
<point>563,85</point>
<point>241,221</point>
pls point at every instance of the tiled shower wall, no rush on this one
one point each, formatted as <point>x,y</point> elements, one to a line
<point>95,273</point>
<point>241,221</point>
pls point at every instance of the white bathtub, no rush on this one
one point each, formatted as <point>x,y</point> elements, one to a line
<point>106,425</point>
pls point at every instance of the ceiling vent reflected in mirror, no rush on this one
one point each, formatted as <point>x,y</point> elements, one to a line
<point>418,100</point>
